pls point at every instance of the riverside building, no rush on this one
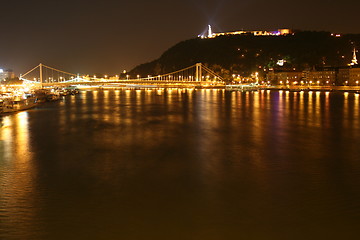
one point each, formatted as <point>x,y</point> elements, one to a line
<point>345,76</point>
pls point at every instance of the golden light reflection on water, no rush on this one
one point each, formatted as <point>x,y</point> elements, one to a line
<point>356,109</point>
<point>326,110</point>
<point>84,100</point>
<point>17,175</point>
<point>234,103</point>
<point>287,102</point>
<point>6,138</point>
<point>310,109</point>
<point>95,104</point>
<point>346,122</point>
<point>357,114</point>
<point>22,143</point>
<point>316,111</point>
<point>107,107</point>
<point>318,105</point>
<point>280,110</point>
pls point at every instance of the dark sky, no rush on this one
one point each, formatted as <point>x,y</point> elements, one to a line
<point>110,36</point>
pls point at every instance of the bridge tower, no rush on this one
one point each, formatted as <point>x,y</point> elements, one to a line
<point>198,73</point>
<point>41,72</point>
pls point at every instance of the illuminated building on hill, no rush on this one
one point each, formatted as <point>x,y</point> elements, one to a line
<point>279,32</point>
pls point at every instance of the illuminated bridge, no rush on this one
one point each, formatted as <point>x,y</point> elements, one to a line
<point>195,75</point>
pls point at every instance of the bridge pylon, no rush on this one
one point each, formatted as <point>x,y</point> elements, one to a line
<point>198,73</point>
<point>41,73</point>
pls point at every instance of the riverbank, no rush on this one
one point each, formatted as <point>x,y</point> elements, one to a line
<point>355,89</point>
<point>314,88</point>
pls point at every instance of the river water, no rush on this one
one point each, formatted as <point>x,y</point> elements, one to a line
<point>183,164</point>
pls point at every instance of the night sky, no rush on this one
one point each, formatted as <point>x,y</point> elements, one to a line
<point>110,36</point>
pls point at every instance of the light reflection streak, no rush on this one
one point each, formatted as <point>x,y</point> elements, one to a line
<point>257,126</point>
<point>318,116</point>
<point>280,107</point>
<point>346,110</point>
<point>106,98</point>
<point>287,102</point>
<point>106,106</point>
<point>301,106</point>
<point>84,103</point>
<point>310,109</point>
<point>22,133</point>
<point>356,111</point>
<point>84,96</point>
<point>281,114</point>
<point>327,110</point>
<point>95,104</point>
<point>247,101</point>
<point>117,95</point>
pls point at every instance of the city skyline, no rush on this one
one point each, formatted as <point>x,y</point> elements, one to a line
<point>109,37</point>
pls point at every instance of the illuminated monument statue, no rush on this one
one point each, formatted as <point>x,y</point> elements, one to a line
<point>210,33</point>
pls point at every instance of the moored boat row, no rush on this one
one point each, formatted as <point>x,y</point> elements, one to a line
<point>18,99</point>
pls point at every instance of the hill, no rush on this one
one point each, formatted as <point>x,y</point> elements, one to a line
<point>244,54</point>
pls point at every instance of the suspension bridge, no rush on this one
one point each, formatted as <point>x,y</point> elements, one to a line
<point>195,75</point>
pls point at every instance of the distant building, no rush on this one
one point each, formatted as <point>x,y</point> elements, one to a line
<point>343,76</point>
<point>321,77</point>
<point>284,77</point>
<point>348,76</point>
<point>6,74</point>
<point>354,76</point>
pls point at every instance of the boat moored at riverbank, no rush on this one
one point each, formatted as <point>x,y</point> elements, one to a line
<point>15,104</point>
